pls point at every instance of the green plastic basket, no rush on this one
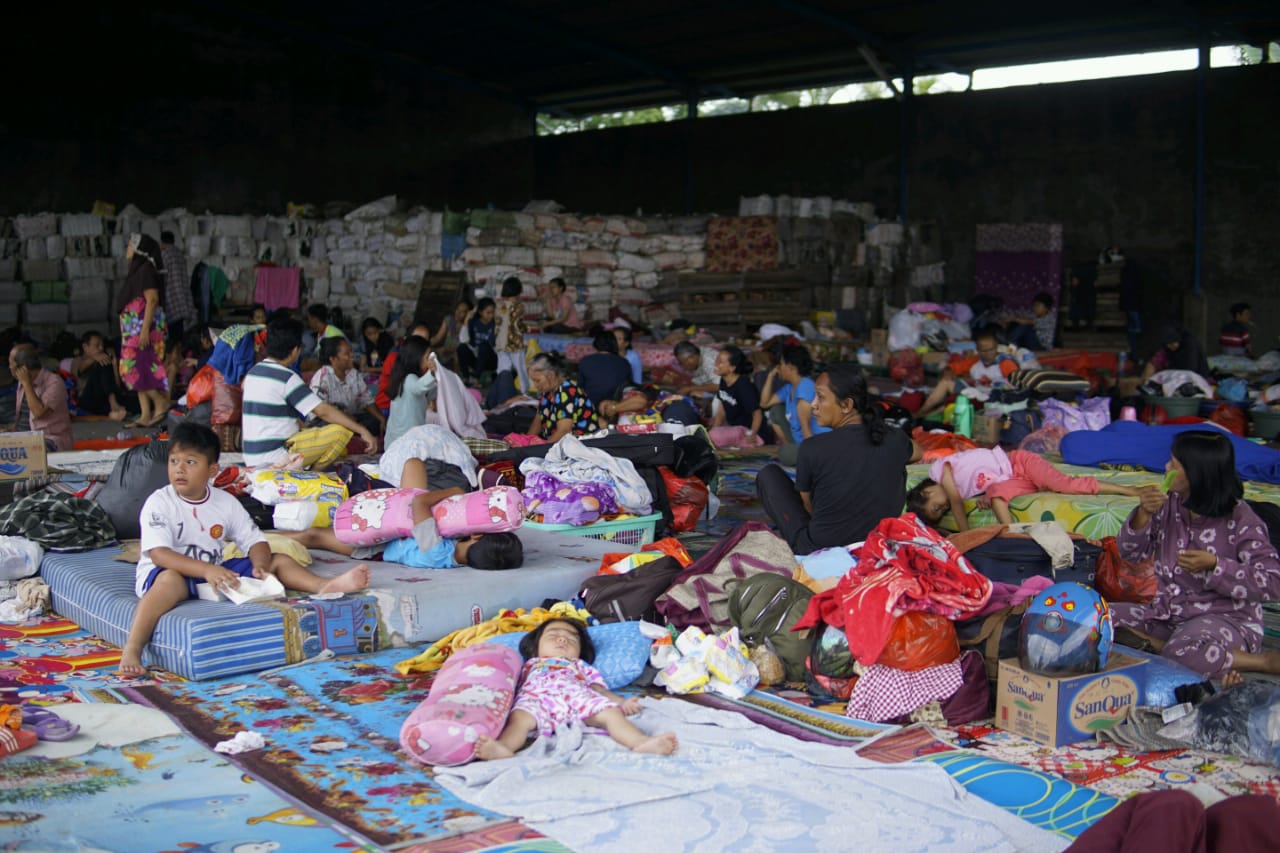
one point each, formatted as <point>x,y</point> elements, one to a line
<point>1176,407</point>
<point>1266,424</point>
<point>627,531</point>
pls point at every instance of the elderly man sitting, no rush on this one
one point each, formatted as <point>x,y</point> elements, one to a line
<point>42,398</point>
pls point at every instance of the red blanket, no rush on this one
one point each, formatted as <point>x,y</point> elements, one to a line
<point>904,565</point>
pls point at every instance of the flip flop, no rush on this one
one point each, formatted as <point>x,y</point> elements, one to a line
<point>48,725</point>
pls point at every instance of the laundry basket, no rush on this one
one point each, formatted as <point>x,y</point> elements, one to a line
<point>1266,423</point>
<point>639,530</point>
<point>1176,407</point>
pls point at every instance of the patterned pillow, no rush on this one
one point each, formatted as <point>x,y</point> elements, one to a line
<point>621,650</point>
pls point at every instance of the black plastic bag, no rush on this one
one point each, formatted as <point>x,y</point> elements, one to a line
<point>139,472</point>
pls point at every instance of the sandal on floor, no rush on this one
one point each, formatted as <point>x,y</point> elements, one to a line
<point>48,725</point>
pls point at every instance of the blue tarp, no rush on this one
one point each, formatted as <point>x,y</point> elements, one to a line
<point>1132,443</point>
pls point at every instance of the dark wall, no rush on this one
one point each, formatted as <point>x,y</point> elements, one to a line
<point>167,112</point>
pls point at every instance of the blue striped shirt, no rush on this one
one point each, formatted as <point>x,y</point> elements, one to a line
<point>274,399</point>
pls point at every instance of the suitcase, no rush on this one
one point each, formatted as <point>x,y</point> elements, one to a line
<point>1013,559</point>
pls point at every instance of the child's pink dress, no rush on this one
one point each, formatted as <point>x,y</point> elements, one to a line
<point>1007,476</point>
<point>555,691</point>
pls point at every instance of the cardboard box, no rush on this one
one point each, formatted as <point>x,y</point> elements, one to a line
<point>937,360</point>
<point>879,338</point>
<point>1057,711</point>
<point>986,430</point>
<point>22,455</point>
<point>879,355</point>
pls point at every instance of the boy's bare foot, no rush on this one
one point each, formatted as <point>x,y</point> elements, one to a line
<point>1232,679</point>
<point>131,666</point>
<point>488,749</point>
<point>663,744</point>
<point>353,580</point>
<point>118,414</point>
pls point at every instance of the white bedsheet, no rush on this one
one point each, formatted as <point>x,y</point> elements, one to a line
<point>734,785</point>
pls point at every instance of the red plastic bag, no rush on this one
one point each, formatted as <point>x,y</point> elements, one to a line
<point>936,445</point>
<point>906,367</point>
<point>227,401</point>
<point>919,640</point>
<point>1120,580</point>
<point>1229,416</point>
<point>688,498</point>
<point>200,389</point>
<point>672,547</point>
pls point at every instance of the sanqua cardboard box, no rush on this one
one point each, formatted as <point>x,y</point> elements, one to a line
<point>1056,710</point>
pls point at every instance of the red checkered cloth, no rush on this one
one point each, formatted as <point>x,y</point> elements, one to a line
<point>884,693</point>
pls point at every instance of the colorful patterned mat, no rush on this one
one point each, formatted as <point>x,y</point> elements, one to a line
<point>332,733</point>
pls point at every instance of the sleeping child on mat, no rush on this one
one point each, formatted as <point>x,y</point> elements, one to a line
<point>426,548</point>
<point>559,685</point>
<point>995,478</point>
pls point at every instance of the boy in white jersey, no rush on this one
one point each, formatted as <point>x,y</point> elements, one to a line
<point>184,527</point>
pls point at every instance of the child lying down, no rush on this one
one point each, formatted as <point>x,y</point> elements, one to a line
<point>995,478</point>
<point>426,548</point>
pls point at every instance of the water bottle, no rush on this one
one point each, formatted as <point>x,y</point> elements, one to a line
<point>962,421</point>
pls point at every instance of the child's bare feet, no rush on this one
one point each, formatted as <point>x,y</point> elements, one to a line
<point>353,580</point>
<point>1232,679</point>
<point>131,665</point>
<point>118,414</point>
<point>489,749</point>
<point>663,744</point>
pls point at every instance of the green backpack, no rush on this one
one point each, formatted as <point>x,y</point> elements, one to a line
<point>764,607</point>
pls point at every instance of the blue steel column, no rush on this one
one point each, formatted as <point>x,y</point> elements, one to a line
<point>905,137</point>
<point>1202,78</point>
<point>690,117</point>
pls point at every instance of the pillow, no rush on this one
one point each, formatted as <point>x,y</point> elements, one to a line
<point>375,517</point>
<point>497,509</point>
<point>471,696</point>
<point>621,650</point>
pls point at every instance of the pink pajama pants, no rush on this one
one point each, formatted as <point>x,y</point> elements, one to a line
<point>1031,473</point>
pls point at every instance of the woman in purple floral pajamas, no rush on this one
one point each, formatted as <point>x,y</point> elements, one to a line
<point>1213,558</point>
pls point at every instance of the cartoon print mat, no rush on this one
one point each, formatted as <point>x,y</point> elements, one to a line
<point>332,732</point>
<point>167,793</point>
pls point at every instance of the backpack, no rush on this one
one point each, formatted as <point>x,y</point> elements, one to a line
<point>1013,559</point>
<point>1018,425</point>
<point>829,668</point>
<point>994,636</point>
<point>764,607</point>
<point>700,594</point>
<point>629,597</point>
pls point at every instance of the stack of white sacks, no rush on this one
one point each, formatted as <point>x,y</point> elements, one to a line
<point>371,261</point>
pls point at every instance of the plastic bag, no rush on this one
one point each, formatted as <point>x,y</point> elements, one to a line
<point>227,401</point>
<point>1047,439</point>
<point>1119,579</point>
<point>1231,418</point>
<point>906,367</point>
<point>688,498</point>
<point>1242,721</point>
<point>919,640</point>
<point>137,473</point>
<point>19,557</point>
<point>200,388</point>
<point>937,445</point>
<point>273,487</point>
<point>1091,414</point>
<point>299,515</point>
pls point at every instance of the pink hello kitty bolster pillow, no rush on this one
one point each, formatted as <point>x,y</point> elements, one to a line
<point>375,517</point>
<point>471,696</point>
<point>497,509</point>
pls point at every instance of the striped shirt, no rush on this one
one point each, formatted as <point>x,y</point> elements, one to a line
<point>274,399</point>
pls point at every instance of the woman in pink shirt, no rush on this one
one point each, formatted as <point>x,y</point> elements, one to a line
<point>995,478</point>
<point>562,313</point>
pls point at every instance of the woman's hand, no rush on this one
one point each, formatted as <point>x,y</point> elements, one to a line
<point>1151,499</point>
<point>1197,561</point>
